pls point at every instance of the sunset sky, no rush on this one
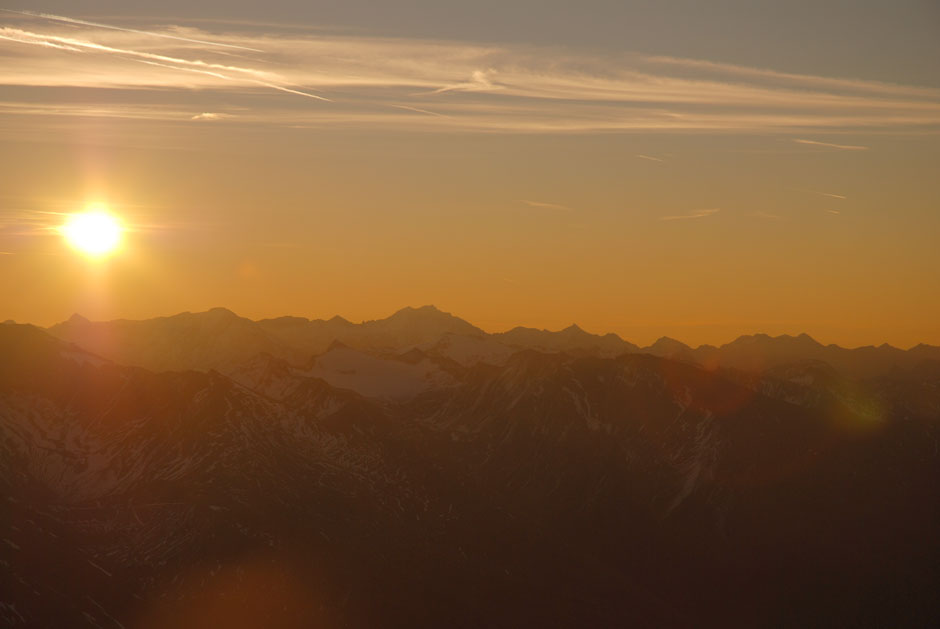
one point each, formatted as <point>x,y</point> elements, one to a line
<point>644,168</point>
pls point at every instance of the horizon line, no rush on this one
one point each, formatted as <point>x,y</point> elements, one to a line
<point>487,332</point>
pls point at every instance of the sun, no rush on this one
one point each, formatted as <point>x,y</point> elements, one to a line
<point>95,232</point>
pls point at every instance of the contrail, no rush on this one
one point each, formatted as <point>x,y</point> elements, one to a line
<point>229,78</point>
<point>291,91</point>
<point>825,194</point>
<point>844,147</point>
<point>420,111</point>
<point>547,206</point>
<point>695,214</point>
<point>184,69</point>
<point>42,43</point>
<point>650,158</point>
<point>71,20</point>
<point>176,63</point>
<point>41,39</point>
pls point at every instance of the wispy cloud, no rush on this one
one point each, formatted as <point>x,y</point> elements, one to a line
<point>831,195</point>
<point>546,206</point>
<point>480,81</point>
<point>841,147</point>
<point>460,86</point>
<point>834,211</point>
<point>208,115</point>
<point>650,158</point>
<point>694,214</point>
<point>801,80</point>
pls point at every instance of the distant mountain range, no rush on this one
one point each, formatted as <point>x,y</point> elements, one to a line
<point>209,470</point>
<point>219,338</point>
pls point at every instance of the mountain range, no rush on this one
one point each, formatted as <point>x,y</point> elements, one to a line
<point>209,470</point>
<point>219,338</point>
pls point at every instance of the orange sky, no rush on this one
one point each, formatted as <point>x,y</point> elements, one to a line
<point>517,183</point>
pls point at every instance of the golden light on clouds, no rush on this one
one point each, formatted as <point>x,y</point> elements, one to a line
<point>95,232</point>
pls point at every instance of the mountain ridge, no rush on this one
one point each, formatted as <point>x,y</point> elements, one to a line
<point>219,337</point>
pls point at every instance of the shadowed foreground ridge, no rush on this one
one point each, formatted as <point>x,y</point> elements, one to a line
<point>205,469</point>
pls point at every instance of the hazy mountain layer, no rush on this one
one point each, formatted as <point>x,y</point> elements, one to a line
<point>217,339</point>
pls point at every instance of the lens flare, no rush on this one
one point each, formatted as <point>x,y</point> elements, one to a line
<point>95,233</point>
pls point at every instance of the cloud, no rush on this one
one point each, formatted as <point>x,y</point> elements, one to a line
<point>808,80</point>
<point>479,81</point>
<point>841,147</point>
<point>831,195</point>
<point>695,214</point>
<point>546,206</point>
<point>834,211</point>
<point>650,158</point>
<point>382,82</point>
<point>207,115</point>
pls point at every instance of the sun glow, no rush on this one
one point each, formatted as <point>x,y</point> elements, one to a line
<point>95,232</point>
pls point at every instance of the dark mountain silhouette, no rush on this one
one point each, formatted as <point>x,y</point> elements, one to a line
<point>551,489</point>
<point>666,347</point>
<point>760,352</point>
<point>205,340</point>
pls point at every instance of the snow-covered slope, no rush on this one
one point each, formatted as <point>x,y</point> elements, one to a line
<point>469,350</point>
<point>375,377</point>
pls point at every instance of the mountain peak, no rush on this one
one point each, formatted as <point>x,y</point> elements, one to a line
<point>425,310</point>
<point>77,319</point>
<point>670,343</point>
<point>220,312</point>
<point>426,315</point>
